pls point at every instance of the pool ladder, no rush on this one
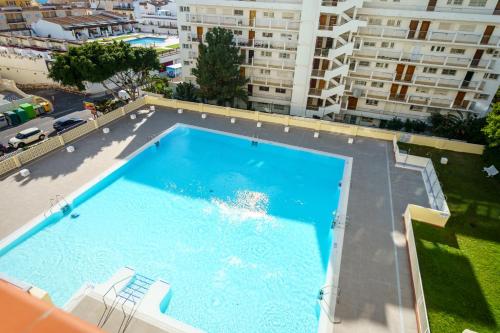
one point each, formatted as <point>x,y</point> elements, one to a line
<point>131,295</point>
<point>324,305</point>
<point>58,202</point>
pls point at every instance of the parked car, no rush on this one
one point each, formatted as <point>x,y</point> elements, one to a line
<point>63,124</point>
<point>26,137</point>
<point>3,149</point>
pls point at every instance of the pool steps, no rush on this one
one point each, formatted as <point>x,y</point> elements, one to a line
<point>128,295</point>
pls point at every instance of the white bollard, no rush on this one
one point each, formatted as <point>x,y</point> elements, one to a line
<point>286,129</point>
<point>70,149</point>
<point>105,130</point>
<point>316,135</point>
<point>203,116</point>
<point>259,124</point>
<point>24,172</point>
<point>133,116</point>
<point>152,108</point>
<point>180,111</point>
<point>233,120</point>
<point>350,141</point>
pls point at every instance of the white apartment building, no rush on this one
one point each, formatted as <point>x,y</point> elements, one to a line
<point>357,61</point>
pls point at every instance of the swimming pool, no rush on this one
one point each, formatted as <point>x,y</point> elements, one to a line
<point>241,231</point>
<point>146,41</point>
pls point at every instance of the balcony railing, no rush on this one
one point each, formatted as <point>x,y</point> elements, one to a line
<point>267,44</point>
<point>449,61</point>
<point>431,35</point>
<point>269,63</point>
<point>267,81</point>
<point>238,21</point>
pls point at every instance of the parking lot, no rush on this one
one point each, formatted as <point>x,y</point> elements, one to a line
<point>65,104</point>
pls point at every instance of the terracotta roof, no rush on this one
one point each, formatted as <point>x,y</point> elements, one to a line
<point>23,313</point>
<point>68,22</point>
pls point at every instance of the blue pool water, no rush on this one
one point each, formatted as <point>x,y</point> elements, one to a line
<point>240,231</point>
<point>146,41</point>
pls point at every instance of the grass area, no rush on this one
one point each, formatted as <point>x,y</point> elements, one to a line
<point>173,46</point>
<point>460,264</point>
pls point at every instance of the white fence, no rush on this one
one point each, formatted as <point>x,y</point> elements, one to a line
<point>17,160</point>
<point>420,307</point>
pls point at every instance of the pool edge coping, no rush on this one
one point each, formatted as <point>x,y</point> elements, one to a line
<point>325,323</point>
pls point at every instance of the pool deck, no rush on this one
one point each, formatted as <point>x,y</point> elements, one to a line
<point>375,282</point>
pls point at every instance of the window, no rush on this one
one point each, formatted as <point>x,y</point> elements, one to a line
<point>268,14</point>
<point>186,63</point>
<point>184,9</point>
<point>381,65</point>
<point>441,92</point>
<point>238,12</point>
<point>455,2</point>
<point>451,72</point>
<point>457,51</point>
<point>261,88</point>
<point>267,34</point>
<point>416,108</point>
<point>477,3</point>
<point>360,83</point>
<point>237,32</point>
<point>266,53</point>
<point>281,90</point>
<point>284,55</point>
<point>374,21</point>
<point>186,46</point>
<point>369,44</point>
<point>185,27</point>
<point>430,70</point>
<point>265,71</point>
<point>481,96</point>
<point>435,48</point>
<point>393,23</point>
<point>491,76</point>
<point>287,16</point>
<point>422,90</point>
<point>288,36</point>
<point>377,84</point>
<point>387,45</point>
<point>364,63</point>
<point>371,102</point>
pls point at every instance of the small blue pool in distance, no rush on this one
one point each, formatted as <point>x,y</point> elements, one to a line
<point>146,41</point>
<point>240,231</point>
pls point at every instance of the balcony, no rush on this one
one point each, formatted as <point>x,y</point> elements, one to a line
<point>419,58</point>
<point>270,63</point>
<point>433,36</point>
<point>239,21</point>
<point>15,20</point>
<point>266,44</point>
<point>267,81</point>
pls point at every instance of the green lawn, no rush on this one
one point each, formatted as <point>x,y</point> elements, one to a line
<point>460,264</point>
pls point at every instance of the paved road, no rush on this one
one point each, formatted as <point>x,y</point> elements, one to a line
<point>65,104</point>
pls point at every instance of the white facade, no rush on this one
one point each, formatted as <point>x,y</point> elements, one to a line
<point>160,19</point>
<point>354,60</point>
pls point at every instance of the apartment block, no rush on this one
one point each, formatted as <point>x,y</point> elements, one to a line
<point>357,61</point>
<point>16,20</point>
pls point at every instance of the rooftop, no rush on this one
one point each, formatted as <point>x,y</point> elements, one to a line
<point>70,22</point>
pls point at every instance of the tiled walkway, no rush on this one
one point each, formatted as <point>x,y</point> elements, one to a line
<point>376,293</point>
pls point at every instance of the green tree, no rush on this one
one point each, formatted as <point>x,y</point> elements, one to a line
<point>394,124</point>
<point>217,69</point>
<point>459,127</point>
<point>115,65</point>
<point>186,91</point>
<point>492,128</point>
<point>159,85</point>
